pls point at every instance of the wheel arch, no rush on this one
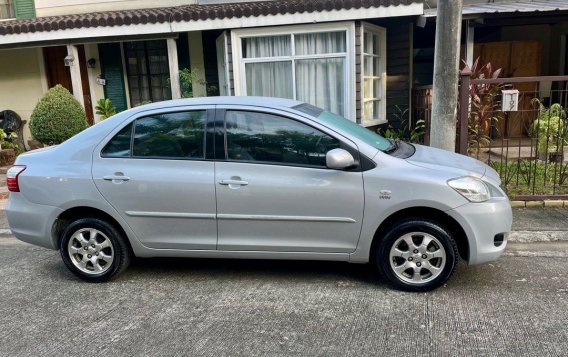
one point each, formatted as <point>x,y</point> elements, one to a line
<point>430,213</point>
<point>74,213</point>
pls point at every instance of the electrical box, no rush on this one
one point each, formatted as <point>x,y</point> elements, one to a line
<point>510,101</point>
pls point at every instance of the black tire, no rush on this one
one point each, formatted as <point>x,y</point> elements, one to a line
<point>424,228</point>
<point>118,250</point>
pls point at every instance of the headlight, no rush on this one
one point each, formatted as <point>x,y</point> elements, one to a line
<point>472,189</point>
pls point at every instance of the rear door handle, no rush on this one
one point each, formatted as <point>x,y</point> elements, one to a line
<point>233,182</point>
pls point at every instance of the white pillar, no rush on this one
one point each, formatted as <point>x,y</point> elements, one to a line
<point>469,43</point>
<point>174,68</point>
<point>197,62</point>
<point>75,69</point>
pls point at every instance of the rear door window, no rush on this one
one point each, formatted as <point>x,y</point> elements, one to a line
<point>119,145</point>
<point>178,135</point>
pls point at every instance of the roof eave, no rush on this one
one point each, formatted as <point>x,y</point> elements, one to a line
<point>169,29</point>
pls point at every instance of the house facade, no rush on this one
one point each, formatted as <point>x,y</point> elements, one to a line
<point>524,38</point>
<point>352,57</point>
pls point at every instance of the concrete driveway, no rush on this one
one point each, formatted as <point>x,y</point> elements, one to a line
<point>516,306</point>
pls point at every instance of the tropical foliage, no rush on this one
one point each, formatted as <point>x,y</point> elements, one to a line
<point>484,100</point>
<point>105,108</point>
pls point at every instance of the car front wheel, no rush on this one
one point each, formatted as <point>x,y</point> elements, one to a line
<point>417,255</point>
<point>93,249</point>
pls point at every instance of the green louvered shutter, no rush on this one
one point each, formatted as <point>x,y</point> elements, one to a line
<point>111,68</point>
<point>25,9</point>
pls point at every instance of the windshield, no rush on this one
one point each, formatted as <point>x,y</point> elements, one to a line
<point>348,127</point>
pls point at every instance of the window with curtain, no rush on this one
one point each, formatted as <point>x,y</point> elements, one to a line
<point>307,66</point>
<point>373,72</point>
<point>148,71</point>
<point>7,9</point>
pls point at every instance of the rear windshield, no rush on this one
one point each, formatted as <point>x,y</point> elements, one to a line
<point>346,126</point>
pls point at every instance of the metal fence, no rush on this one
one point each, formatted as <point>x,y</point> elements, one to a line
<point>422,109</point>
<point>523,136</point>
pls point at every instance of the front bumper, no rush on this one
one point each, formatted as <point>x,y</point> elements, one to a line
<point>481,223</point>
<point>31,222</point>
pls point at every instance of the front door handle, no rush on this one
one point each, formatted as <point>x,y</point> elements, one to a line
<point>116,178</point>
<point>233,182</point>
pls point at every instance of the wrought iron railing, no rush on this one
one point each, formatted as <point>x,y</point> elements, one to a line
<point>525,141</point>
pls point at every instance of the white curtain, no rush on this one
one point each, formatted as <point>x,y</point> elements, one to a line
<point>320,43</point>
<point>318,81</point>
<point>273,79</point>
<point>270,79</point>
<point>267,46</point>
<point>321,82</point>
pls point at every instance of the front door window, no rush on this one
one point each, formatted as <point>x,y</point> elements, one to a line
<point>272,139</point>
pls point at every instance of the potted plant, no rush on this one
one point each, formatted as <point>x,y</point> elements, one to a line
<point>550,131</point>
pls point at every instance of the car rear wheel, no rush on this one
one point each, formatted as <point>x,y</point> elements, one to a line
<point>94,250</point>
<point>417,255</point>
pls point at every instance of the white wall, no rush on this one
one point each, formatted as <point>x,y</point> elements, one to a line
<point>66,7</point>
<point>97,91</point>
<point>22,82</point>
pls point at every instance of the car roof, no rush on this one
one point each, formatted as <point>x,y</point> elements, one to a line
<point>270,102</point>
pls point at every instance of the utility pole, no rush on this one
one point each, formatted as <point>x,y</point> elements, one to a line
<point>446,69</point>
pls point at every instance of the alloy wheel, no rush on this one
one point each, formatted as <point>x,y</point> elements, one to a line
<point>90,251</point>
<point>417,258</point>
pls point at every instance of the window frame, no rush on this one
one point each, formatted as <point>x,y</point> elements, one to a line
<point>210,115</point>
<point>11,9</point>
<point>239,75</point>
<point>138,77</point>
<point>381,32</point>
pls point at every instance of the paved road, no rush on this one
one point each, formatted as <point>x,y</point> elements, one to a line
<point>516,306</point>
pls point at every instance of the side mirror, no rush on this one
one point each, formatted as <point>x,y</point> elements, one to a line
<point>339,159</point>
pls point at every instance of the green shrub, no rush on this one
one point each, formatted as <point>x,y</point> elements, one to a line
<point>549,128</point>
<point>57,117</point>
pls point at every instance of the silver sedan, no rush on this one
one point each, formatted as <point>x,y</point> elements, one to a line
<point>256,178</point>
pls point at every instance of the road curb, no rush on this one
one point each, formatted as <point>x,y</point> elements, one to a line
<point>537,236</point>
<point>540,204</point>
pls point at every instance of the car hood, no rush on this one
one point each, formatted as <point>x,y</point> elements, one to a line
<point>438,159</point>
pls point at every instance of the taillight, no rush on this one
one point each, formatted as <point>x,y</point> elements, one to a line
<point>12,177</point>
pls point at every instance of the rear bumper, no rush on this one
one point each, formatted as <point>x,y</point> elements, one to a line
<point>31,222</point>
<point>481,223</point>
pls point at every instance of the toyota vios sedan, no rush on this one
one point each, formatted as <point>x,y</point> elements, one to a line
<point>256,178</point>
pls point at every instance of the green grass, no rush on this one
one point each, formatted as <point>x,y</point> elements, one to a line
<point>527,177</point>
